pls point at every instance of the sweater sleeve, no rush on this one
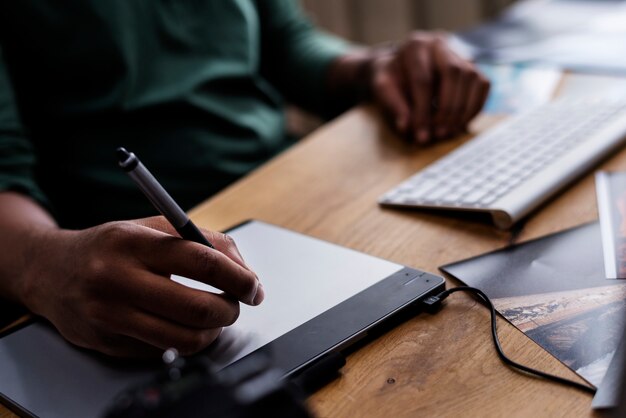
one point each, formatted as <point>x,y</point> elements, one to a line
<point>17,157</point>
<point>295,56</point>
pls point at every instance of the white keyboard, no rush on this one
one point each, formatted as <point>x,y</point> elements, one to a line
<point>511,169</point>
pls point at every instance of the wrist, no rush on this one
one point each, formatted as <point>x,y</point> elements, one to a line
<point>352,75</point>
<point>42,259</point>
<point>349,78</point>
<point>376,56</point>
<point>24,228</point>
<point>360,75</point>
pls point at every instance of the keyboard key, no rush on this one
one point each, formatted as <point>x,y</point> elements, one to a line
<point>437,194</point>
<point>422,188</point>
<point>487,200</point>
<point>474,196</point>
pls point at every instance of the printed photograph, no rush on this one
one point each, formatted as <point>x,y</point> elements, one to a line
<point>582,328</point>
<point>554,290</point>
<point>611,192</point>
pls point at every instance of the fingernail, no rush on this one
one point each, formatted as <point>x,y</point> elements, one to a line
<point>260,295</point>
<point>422,136</point>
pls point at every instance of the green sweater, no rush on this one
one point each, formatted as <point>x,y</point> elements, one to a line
<point>194,87</point>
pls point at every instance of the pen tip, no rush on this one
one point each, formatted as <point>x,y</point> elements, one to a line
<point>122,154</point>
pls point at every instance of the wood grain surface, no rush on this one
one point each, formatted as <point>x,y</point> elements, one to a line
<point>442,365</point>
<point>433,365</point>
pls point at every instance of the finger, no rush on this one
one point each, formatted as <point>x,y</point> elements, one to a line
<point>92,332</point>
<point>477,87</point>
<point>388,94</point>
<point>477,101</point>
<point>459,101</point>
<point>124,347</point>
<point>165,255</point>
<point>105,342</point>
<point>158,223</point>
<point>178,303</point>
<point>473,95</point>
<point>220,241</point>
<point>417,65</point>
<point>450,72</point>
<point>226,245</point>
<point>163,334</point>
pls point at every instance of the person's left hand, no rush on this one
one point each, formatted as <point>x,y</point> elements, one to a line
<point>425,89</point>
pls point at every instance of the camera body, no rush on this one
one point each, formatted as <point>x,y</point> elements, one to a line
<point>193,388</point>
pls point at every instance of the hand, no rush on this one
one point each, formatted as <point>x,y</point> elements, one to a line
<point>426,90</point>
<point>108,288</point>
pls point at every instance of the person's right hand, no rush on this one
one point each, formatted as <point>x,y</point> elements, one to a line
<point>426,90</point>
<point>108,288</point>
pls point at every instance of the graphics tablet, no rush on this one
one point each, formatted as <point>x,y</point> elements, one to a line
<point>320,298</point>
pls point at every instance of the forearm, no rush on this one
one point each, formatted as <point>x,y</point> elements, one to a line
<point>23,224</point>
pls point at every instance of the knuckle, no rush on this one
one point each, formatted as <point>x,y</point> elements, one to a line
<point>96,269</point>
<point>115,234</point>
<point>201,313</point>
<point>417,41</point>
<point>381,81</point>
<point>234,314</point>
<point>114,230</point>
<point>419,38</point>
<point>415,44</point>
<point>228,238</point>
<point>382,63</point>
<point>229,241</point>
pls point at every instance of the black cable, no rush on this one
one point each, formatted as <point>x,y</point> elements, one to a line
<point>435,301</point>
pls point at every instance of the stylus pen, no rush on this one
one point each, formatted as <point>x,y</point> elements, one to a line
<point>157,195</point>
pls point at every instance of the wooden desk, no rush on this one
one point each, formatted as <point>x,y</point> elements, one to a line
<point>442,365</point>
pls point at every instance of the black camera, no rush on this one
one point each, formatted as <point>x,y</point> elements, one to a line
<point>193,388</point>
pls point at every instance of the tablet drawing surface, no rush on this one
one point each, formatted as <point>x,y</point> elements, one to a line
<point>318,297</point>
